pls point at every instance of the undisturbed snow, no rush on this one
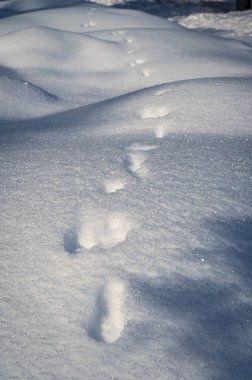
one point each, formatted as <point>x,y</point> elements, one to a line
<point>125,196</point>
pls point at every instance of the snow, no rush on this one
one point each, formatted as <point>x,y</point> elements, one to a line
<point>107,323</point>
<point>103,228</point>
<point>125,148</point>
<point>231,24</point>
<point>113,184</point>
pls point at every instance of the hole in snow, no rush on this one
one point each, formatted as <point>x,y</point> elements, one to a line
<point>114,184</point>
<point>103,229</point>
<point>108,320</point>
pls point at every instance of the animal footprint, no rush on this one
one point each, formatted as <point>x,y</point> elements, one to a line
<point>142,147</point>
<point>135,163</point>
<point>112,185</point>
<point>132,64</point>
<point>118,32</point>
<point>138,61</point>
<point>103,229</point>
<point>108,320</point>
<point>129,40</point>
<point>146,73</point>
<point>160,131</point>
<point>92,23</point>
<point>161,92</point>
<point>154,113</point>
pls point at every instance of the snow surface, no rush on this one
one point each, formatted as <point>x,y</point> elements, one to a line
<point>126,215</point>
<point>231,24</point>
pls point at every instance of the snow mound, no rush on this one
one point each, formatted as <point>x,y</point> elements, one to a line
<point>230,24</point>
<point>201,113</point>
<point>66,52</point>
<point>18,93</point>
<point>83,18</point>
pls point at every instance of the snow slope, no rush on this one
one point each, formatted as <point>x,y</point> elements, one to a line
<point>125,233</point>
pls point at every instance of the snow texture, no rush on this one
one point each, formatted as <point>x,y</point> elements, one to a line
<point>125,160</point>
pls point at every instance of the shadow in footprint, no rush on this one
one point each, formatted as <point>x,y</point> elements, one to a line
<point>99,313</point>
<point>71,245</point>
<point>127,165</point>
<point>134,164</point>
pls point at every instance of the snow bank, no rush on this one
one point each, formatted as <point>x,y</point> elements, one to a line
<point>229,24</point>
<point>18,93</point>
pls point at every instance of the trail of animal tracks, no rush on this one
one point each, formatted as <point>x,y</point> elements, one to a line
<point>125,197</point>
